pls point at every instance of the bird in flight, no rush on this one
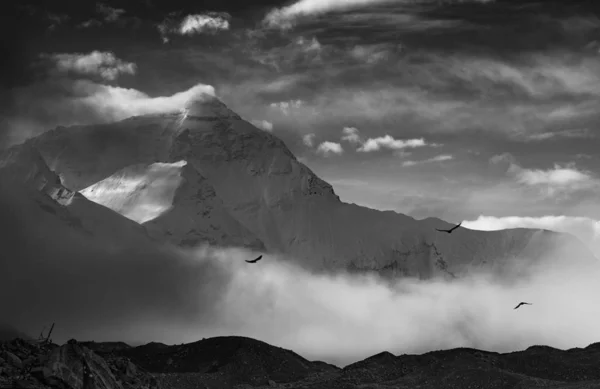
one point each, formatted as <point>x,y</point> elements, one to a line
<point>255,260</point>
<point>522,303</point>
<point>452,229</point>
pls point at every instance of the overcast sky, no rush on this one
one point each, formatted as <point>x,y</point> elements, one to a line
<point>454,109</point>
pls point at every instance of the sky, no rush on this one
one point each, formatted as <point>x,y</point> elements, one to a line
<point>482,111</point>
<point>474,110</point>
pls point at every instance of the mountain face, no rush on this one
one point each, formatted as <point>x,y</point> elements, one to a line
<point>34,192</point>
<point>174,202</point>
<point>255,192</point>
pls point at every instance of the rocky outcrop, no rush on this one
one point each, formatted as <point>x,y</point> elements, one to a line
<point>31,364</point>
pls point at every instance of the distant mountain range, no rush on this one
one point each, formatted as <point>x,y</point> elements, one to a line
<point>204,175</point>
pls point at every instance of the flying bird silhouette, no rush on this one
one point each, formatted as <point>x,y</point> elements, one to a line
<point>255,260</point>
<point>450,230</point>
<point>522,303</point>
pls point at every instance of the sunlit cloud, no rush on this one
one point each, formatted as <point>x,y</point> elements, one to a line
<point>350,134</point>
<point>104,64</point>
<point>286,17</point>
<point>327,148</point>
<point>558,179</point>
<point>209,23</point>
<point>388,142</point>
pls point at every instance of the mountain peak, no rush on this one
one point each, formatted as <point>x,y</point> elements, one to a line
<point>207,106</point>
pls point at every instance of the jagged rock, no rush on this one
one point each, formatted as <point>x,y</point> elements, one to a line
<point>72,366</point>
<point>13,359</point>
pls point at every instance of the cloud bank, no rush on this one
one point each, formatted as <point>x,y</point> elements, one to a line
<point>94,292</point>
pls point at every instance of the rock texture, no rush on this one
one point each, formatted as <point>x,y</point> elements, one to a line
<point>238,362</point>
<point>255,190</point>
<point>30,364</point>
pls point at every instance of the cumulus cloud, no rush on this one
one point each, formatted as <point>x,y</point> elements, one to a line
<point>438,158</point>
<point>584,228</point>
<point>95,293</point>
<point>211,23</point>
<point>308,140</point>
<point>388,142</point>
<point>104,64</point>
<point>558,179</point>
<point>559,176</point>
<point>263,125</point>
<point>327,148</point>
<point>350,134</point>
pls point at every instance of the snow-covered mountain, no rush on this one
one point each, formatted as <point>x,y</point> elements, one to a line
<point>30,187</point>
<point>255,191</point>
<point>174,202</point>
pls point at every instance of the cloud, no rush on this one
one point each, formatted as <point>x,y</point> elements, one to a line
<point>110,14</point>
<point>263,125</point>
<point>438,158</point>
<point>104,64</point>
<point>208,23</point>
<point>56,20</point>
<point>308,140</point>
<point>388,142</point>
<point>286,17</point>
<point>351,135</point>
<point>559,179</point>
<point>286,107</point>
<point>194,24</point>
<point>40,107</point>
<point>581,133</point>
<point>327,148</point>
<point>559,176</point>
<point>584,228</point>
<point>96,293</point>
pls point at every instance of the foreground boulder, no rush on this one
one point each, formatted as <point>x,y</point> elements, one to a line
<point>30,364</point>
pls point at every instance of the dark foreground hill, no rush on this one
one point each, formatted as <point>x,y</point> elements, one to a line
<point>238,362</point>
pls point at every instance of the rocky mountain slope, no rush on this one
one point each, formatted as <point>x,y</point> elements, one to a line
<point>174,202</point>
<point>237,362</point>
<point>268,196</point>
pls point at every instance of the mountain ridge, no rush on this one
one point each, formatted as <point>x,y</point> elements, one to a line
<point>282,202</point>
<point>241,362</point>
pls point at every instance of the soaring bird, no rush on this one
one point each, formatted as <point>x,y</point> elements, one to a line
<point>255,260</point>
<point>450,230</point>
<point>522,303</point>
